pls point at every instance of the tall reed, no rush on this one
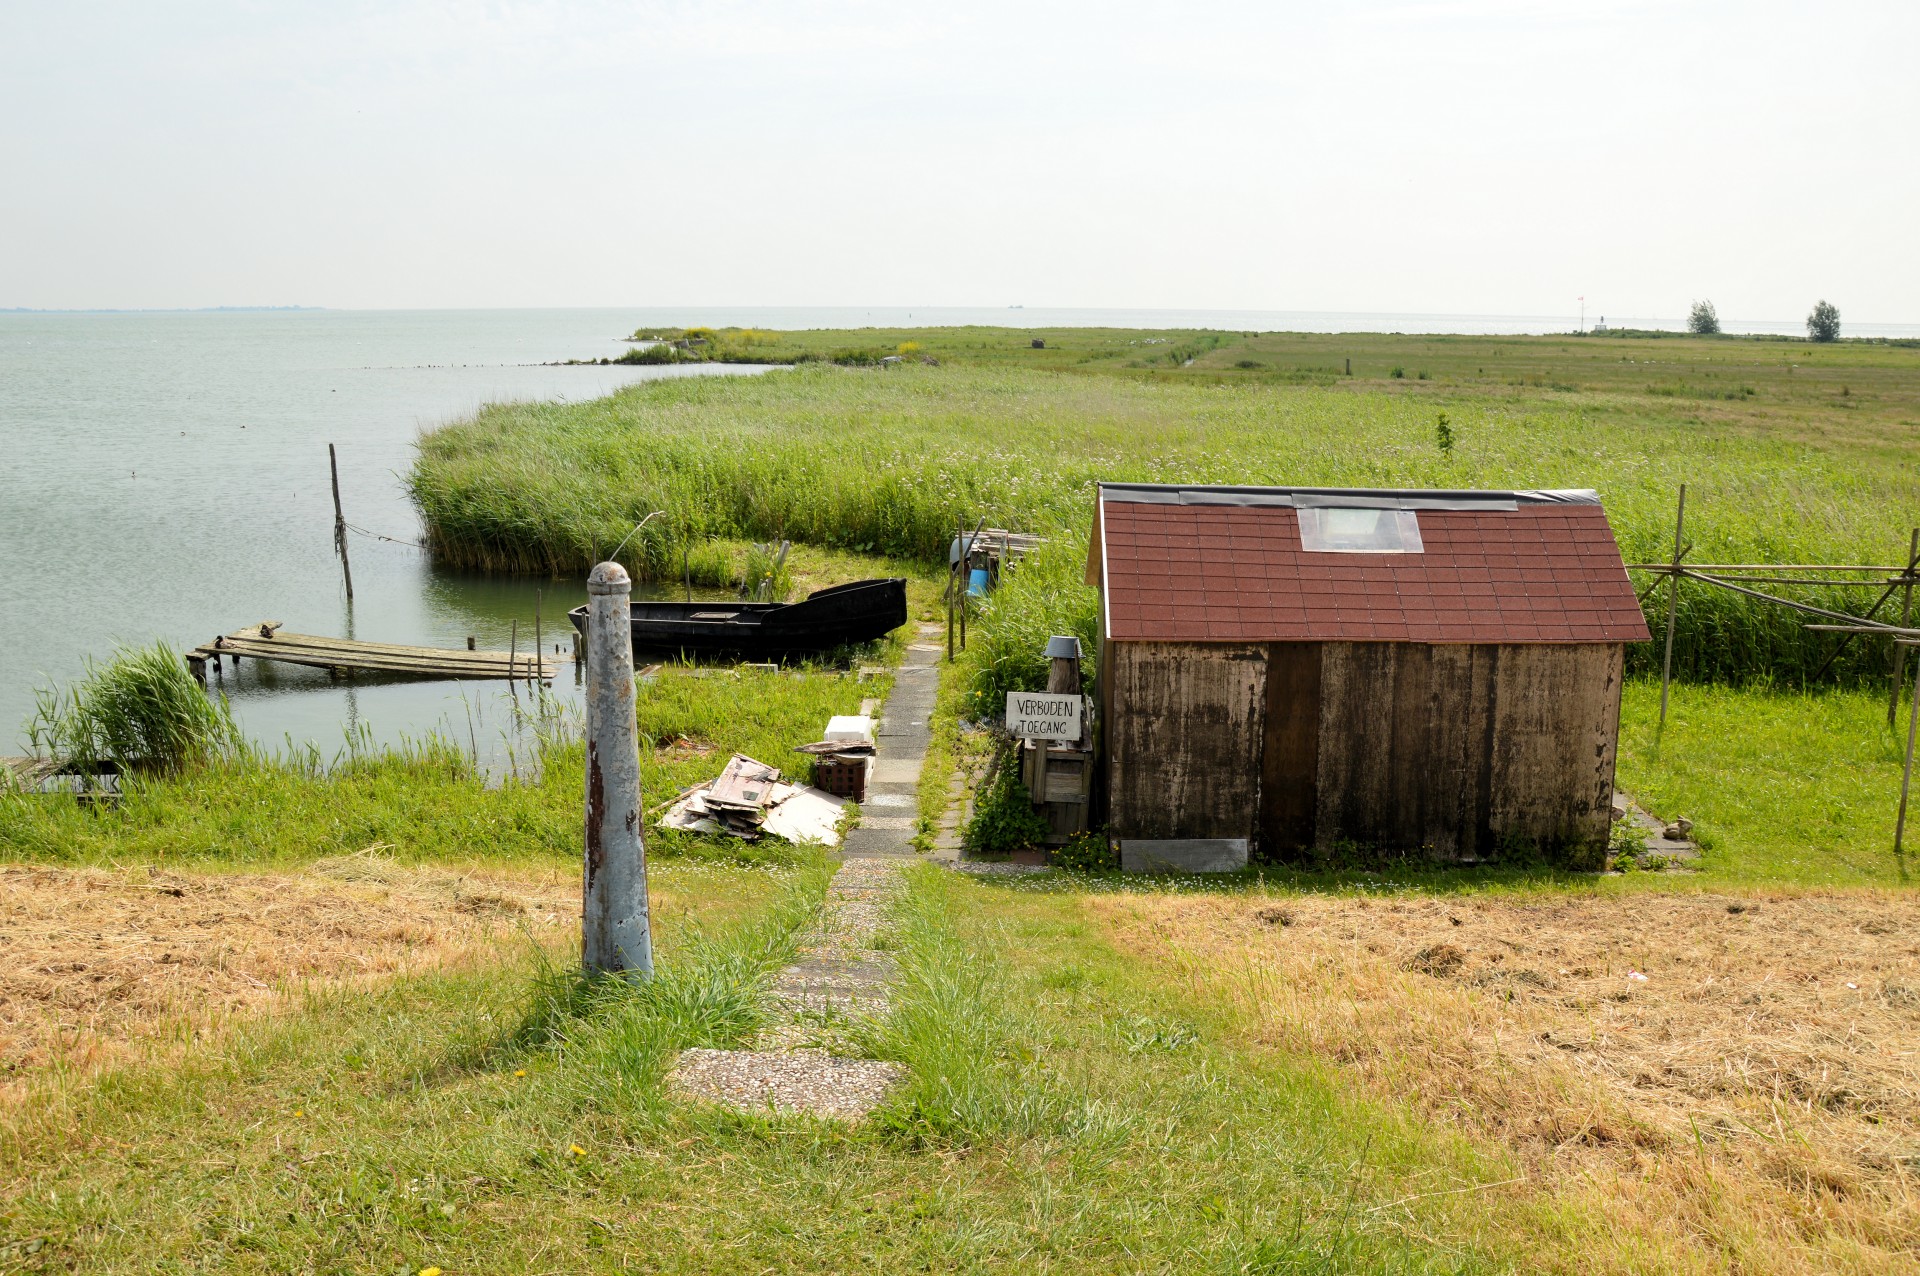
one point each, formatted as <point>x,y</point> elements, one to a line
<point>141,708</point>
<point>893,463</point>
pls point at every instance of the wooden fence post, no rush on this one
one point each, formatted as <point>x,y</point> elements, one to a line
<point>1673,605</point>
<point>1906,620</point>
<point>1906,774</point>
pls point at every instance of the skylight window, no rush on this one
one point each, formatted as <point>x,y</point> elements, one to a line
<point>1359,531</point>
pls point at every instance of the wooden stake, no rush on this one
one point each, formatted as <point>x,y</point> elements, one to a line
<point>1906,619</point>
<point>513,648</point>
<point>953,577</point>
<point>339,522</point>
<point>1673,605</point>
<point>1906,775</point>
<point>539,647</point>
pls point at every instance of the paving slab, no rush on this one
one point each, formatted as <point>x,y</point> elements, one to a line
<point>838,982</point>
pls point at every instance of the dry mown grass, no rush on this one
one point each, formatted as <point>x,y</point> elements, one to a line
<point>94,962</point>
<point>1740,1073</point>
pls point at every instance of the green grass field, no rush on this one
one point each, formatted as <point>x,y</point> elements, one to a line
<point>1104,1073</point>
<point>891,462</point>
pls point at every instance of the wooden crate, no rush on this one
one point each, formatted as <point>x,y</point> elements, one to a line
<point>1058,777</point>
<point>846,777</point>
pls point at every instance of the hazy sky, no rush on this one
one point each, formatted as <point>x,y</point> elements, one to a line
<point>1479,156</point>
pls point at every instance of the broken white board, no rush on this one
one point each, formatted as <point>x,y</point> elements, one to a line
<point>804,814</point>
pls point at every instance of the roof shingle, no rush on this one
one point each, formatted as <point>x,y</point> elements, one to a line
<point>1237,573</point>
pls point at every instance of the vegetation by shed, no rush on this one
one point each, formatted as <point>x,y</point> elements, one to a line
<point>1294,670</point>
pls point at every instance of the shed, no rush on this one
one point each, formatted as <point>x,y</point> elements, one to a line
<point>1290,670</point>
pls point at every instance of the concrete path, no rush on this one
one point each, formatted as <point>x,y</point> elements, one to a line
<point>830,999</point>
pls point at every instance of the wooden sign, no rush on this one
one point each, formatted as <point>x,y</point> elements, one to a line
<point>1040,715</point>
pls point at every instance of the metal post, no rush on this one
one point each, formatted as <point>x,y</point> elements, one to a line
<point>1673,604</point>
<point>615,937</point>
<point>1906,774</point>
<point>339,522</point>
<point>1906,620</point>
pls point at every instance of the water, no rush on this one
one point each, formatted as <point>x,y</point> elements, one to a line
<point>165,478</point>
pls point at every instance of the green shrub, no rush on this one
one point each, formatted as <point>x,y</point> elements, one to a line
<point>1003,815</point>
<point>1086,853</point>
<point>767,576</point>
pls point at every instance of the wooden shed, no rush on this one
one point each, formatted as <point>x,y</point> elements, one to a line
<point>1292,669</point>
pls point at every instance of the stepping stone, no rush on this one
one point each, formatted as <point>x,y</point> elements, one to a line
<point>808,1081</point>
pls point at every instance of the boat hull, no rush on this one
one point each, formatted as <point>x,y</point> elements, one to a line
<point>863,611</point>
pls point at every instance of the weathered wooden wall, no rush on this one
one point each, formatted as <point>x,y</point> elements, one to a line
<point>1183,738</point>
<point>1454,748</point>
<point>1449,748</point>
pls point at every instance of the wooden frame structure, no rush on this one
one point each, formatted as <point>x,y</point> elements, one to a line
<point>1740,578</point>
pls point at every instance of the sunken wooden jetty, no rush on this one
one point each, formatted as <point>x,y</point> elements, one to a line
<point>268,641</point>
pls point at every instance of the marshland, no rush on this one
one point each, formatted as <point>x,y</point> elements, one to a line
<point>333,1021</point>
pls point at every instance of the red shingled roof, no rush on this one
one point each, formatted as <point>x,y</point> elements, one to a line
<point>1199,572</point>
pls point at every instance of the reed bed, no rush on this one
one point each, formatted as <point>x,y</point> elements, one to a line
<point>893,462</point>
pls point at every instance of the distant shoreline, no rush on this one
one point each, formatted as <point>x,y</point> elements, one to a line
<point>157,310</point>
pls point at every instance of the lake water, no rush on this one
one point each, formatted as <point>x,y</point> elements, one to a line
<point>165,477</point>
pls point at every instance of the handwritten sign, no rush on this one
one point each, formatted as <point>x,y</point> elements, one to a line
<point>1039,715</point>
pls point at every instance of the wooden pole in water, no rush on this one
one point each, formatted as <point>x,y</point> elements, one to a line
<point>1906,619</point>
<point>539,647</point>
<point>1673,605</point>
<point>339,521</point>
<point>1906,774</point>
<point>513,650</point>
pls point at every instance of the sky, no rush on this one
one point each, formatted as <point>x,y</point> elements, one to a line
<point>1449,157</point>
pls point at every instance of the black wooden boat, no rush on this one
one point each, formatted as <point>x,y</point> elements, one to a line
<point>861,611</point>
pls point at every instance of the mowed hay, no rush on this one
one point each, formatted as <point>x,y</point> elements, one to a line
<point>92,961</point>
<point>1745,1069</point>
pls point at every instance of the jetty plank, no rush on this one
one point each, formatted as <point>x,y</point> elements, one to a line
<point>315,651</point>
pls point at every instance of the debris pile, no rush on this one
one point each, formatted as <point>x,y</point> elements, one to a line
<point>748,798</point>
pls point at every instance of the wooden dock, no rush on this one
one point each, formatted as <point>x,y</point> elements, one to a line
<point>267,641</point>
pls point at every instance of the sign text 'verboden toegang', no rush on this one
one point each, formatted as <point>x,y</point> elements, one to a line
<point>1038,715</point>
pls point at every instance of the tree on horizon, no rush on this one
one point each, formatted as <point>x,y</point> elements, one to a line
<point>1823,322</point>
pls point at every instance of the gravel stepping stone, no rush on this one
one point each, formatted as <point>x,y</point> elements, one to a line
<point>811,1081</point>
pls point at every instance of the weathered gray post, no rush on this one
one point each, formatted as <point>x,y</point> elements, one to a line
<point>615,937</point>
